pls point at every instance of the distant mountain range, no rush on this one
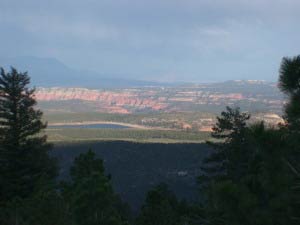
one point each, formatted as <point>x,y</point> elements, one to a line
<point>50,72</point>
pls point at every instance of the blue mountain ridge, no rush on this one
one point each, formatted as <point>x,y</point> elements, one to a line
<point>50,72</point>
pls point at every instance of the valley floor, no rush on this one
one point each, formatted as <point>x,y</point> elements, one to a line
<point>57,135</point>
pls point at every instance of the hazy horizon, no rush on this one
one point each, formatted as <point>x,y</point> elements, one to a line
<point>174,41</point>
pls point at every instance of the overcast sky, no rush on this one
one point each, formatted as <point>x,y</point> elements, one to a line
<point>167,40</point>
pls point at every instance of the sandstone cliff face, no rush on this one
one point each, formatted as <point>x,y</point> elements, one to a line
<point>170,99</point>
<point>108,101</point>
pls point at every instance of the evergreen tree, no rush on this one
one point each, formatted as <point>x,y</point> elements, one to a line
<point>159,208</point>
<point>47,207</point>
<point>162,208</point>
<point>247,181</point>
<point>90,194</point>
<point>228,153</point>
<point>289,84</point>
<point>252,177</point>
<point>25,165</point>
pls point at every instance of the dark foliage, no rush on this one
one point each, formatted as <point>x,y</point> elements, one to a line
<point>25,166</point>
<point>253,175</point>
<point>136,167</point>
<point>161,207</point>
<point>230,149</point>
<point>253,186</point>
<point>289,77</point>
<point>289,83</point>
<point>90,195</point>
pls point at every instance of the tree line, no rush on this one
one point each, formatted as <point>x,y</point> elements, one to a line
<point>251,177</point>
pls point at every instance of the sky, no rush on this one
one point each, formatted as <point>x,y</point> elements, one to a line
<point>162,40</point>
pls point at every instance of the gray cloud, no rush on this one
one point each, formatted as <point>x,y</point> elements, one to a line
<point>174,39</point>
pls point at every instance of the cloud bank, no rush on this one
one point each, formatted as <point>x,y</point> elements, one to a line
<point>190,40</point>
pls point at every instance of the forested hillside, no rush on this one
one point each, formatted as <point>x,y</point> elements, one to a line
<point>136,168</point>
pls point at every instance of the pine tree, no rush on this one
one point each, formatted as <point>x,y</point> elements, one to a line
<point>24,160</point>
<point>289,84</point>
<point>161,208</point>
<point>248,181</point>
<point>90,194</point>
<point>229,150</point>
